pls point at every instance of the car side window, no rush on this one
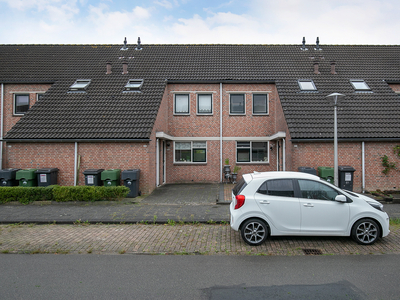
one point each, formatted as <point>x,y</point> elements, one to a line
<point>277,187</point>
<point>316,190</point>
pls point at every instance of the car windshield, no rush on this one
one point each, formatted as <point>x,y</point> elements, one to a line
<point>351,193</point>
<point>239,186</point>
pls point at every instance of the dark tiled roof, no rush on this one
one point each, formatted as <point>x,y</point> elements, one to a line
<point>105,112</point>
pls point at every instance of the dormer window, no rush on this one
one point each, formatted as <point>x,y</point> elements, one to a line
<point>360,85</point>
<point>80,85</point>
<point>307,85</point>
<point>134,85</point>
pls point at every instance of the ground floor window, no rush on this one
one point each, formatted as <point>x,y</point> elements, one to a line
<point>187,152</point>
<point>252,152</point>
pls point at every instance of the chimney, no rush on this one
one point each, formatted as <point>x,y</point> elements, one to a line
<point>333,67</point>
<point>124,67</point>
<point>316,66</point>
<point>109,68</point>
<point>303,48</point>
<point>317,45</point>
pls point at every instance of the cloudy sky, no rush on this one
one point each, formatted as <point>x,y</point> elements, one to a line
<point>199,21</point>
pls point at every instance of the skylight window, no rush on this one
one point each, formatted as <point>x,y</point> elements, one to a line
<point>80,85</point>
<point>360,85</point>
<point>307,85</point>
<point>134,84</point>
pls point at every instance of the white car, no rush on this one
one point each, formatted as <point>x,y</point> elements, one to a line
<point>301,204</point>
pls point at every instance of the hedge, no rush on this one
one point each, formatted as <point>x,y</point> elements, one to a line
<point>57,193</point>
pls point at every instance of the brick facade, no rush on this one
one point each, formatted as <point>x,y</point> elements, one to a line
<point>196,127</point>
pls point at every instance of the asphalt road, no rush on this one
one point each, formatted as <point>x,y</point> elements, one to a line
<point>198,277</point>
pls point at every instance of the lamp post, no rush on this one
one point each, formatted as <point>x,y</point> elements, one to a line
<point>335,97</point>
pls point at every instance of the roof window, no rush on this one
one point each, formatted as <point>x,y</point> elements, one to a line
<point>360,85</point>
<point>80,85</point>
<point>134,85</point>
<point>307,85</point>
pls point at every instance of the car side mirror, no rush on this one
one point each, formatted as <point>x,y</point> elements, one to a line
<point>341,198</point>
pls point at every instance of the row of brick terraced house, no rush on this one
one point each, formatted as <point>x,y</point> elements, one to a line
<point>177,112</point>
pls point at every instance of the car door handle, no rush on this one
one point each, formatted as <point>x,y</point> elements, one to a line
<point>264,202</point>
<point>308,205</point>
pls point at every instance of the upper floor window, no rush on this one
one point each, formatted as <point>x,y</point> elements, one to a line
<point>237,104</point>
<point>359,85</point>
<point>181,104</point>
<point>307,85</point>
<point>39,96</point>
<point>134,85</point>
<point>252,152</point>
<point>260,104</point>
<point>204,103</point>
<point>80,85</point>
<point>21,104</point>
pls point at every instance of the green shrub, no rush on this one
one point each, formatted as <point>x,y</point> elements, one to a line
<point>26,195</point>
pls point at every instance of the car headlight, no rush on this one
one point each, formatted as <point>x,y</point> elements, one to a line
<point>378,206</point>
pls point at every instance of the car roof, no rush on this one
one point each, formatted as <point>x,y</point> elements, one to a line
<point>278,174</point>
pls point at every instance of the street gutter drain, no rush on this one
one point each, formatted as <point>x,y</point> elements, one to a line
<point>312,251</point>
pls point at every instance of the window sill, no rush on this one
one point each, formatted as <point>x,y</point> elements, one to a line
<point>260,114</point>
<point>237,115</point>
<point>253,163</point>
<point>189,163</point>
<point>182,114</point>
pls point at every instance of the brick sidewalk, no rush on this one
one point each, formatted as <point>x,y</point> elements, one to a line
<point>206,239</point>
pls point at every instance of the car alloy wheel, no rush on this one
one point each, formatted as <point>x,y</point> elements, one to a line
<point>254,232</point>
<point>365,232</point>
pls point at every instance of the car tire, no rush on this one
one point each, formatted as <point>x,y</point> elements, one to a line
<point>254,232</point>
<point>365,232</point>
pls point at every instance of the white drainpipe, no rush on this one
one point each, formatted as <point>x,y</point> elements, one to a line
<point>363,166</point>
<point>1,126</point>
<point>220,133</point>
<point>157,162</point>
<point>76,163</point>
<point>283,155</point>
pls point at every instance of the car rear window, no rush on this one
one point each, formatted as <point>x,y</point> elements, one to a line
<point>277,187</point>
<point>239,186</point>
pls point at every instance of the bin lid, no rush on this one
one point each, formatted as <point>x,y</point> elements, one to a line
<point>112,174</point>
<point>346,169</point>
<point>92,171</point>
<point>46,170</point>
<point>8,173</point>
<point>130,174</point>
<point>26,174</point>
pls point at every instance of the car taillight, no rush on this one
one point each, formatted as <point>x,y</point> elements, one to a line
<point>239,201</point>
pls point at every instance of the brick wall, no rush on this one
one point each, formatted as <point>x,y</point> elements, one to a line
<point>321,155</point>
<point>208,127</point>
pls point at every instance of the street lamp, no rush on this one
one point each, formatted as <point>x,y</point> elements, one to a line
<point>335,97</point>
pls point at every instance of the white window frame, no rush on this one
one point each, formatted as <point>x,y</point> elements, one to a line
<point>250,153</point>
<point>38,95</point>
<point>356,85</point>
<point>15,103</point>
<point>244,104</point>
<point>80,85</point>
<point>267,104</point>
<point>197,104</point>
<point>308,81</point>
<point>134,85</point>
<point>192,147</point>
<point>174,106</point>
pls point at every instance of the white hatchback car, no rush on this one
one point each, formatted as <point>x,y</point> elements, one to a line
<point>301,204</point>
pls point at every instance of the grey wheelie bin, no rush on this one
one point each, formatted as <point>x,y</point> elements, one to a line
<point>131,180</point>
<point>93,177</point>
<point>47,176</point>
<point>8,177</point>
<point>346,175</point>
